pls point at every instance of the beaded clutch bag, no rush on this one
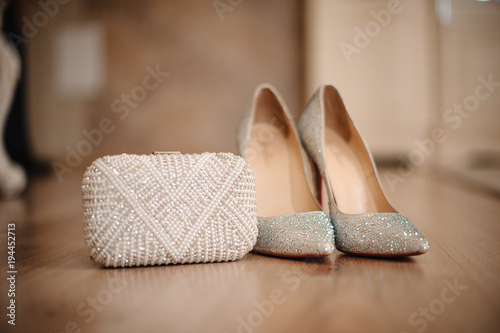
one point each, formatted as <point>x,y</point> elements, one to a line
<point>169,208</point>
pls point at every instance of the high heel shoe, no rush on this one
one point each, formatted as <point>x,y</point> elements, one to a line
<point>364,221</point>
<point>290,223</point>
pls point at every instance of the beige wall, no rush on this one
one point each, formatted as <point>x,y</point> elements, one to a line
<point>397,81</point>
<point>214,63</point>
<point>382,56</point>
<point>470,50</point>
<point>401,73</point>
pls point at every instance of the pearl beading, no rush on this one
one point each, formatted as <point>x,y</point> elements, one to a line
<point>158,209</point>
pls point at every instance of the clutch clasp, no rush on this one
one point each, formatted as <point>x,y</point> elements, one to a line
<point>165,152</point>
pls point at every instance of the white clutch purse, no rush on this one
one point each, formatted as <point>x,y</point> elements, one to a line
<point>169,208</point>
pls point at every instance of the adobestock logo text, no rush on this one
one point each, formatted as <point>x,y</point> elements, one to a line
<point>363,36</point>
<point>31,27</point>
<point>122,107</point>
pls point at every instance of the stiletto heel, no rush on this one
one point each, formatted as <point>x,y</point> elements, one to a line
<point>290,222</point>
<point>364,221</point>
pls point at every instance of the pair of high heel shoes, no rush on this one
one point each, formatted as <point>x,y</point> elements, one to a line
<point>330,164</point>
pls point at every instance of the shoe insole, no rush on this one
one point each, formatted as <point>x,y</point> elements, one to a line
<point>279,173</point>
<point>348,180</point>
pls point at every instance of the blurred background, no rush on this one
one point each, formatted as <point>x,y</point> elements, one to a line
<point>421,78</point>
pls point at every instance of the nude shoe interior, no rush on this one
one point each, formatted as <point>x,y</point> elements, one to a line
<point>275,157</point>
<point>352,177</point>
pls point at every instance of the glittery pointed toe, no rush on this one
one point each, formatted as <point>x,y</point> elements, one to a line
<point>290,220</point>
<point>307,234</point>
<point>364,221</point>
<point>384,234</point>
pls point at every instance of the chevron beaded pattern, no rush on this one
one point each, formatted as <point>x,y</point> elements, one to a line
<point>159,209</point>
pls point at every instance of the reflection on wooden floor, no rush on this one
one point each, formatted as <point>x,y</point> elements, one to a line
<point>455,287</point>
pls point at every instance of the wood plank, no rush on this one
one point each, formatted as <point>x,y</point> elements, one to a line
<point>455,287</point>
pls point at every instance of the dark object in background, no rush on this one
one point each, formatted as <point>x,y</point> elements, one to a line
<point>15,135</point>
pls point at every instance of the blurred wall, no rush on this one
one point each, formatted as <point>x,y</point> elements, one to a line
<point>470,86</point>
<point>154,74</point>
<point>470,92</point>
<point>382,56</point>
<point>106,77</point>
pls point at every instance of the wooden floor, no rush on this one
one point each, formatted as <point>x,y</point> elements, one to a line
<point>455,287</point>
